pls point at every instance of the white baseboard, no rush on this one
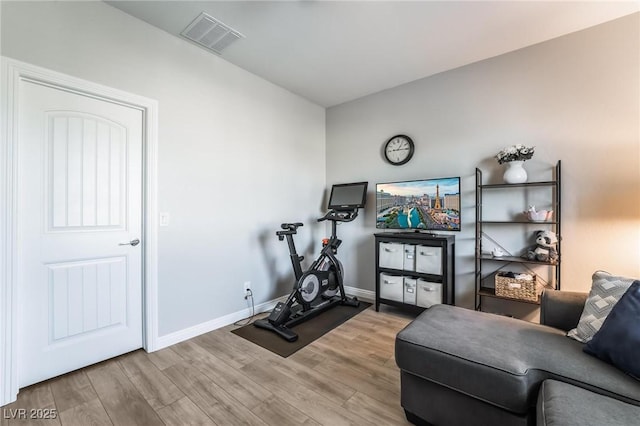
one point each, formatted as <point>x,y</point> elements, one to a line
<point>366,295</point>
<point>205,327</point>
<point>214,324</point>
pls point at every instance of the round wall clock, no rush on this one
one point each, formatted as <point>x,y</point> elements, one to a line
<point>398,150</point>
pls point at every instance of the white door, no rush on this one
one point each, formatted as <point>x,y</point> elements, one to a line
<point>79,205</point>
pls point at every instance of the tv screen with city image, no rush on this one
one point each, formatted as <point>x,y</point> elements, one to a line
<point>429,205</point>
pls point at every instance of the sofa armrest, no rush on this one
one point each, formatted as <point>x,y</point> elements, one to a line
<point>561,309</point>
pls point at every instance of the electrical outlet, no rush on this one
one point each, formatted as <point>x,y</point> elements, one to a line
<point>247,286</point>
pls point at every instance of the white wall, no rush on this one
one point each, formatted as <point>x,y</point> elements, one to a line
<point>576,98</point>
<point>237,155</point>
<point>228,138</point>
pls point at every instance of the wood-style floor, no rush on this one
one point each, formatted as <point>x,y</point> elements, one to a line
<point>346,377</point>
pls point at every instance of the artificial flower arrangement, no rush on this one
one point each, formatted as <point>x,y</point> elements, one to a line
<point>515,153</point>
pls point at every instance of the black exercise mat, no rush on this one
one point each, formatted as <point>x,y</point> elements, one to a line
<point>307,332</point>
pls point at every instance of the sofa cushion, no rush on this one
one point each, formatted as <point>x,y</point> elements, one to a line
<point>501,360</point>
<point>561,309</point>
<point>618,341</point>
<point>606,290</point>
<point>562,404</point>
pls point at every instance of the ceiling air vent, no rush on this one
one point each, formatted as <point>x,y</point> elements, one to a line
<point>207,31</point>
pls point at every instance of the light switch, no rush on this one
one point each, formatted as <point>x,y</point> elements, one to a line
<point>164,218</point>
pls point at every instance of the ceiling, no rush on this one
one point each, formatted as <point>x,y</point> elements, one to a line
<point>331,52</point>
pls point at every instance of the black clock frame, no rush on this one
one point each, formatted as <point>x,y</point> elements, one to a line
<point>409,156</point>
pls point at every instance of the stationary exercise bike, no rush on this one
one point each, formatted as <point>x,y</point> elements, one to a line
<point>321,287</point>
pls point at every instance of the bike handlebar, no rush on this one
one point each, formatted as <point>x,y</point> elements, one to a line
<point>333,215</point>
<point>339,216</point>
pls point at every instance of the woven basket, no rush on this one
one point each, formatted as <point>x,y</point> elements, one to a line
<point>516,288</point>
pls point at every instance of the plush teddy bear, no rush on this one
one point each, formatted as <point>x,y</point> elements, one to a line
<point>545,248</point>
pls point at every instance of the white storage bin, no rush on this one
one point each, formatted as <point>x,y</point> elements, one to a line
<point>410,287</point>
<point>391,255</point>
<point>429,260</point>
<point>391,287</point>
<point>429,293</point>
<point>409,263</point>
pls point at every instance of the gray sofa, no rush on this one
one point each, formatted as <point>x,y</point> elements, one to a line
<point>462,367</point>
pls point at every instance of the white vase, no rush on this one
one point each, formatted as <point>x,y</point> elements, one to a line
<point>515,172</point>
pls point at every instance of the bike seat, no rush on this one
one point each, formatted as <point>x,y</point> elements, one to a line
<point>289,229</point>
<point>291,226</point>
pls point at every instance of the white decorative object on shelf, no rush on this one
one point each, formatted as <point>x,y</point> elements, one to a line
<point>538,215</point>
<point>515,156</point>
<point>515,172</point>
<point>497,252</point>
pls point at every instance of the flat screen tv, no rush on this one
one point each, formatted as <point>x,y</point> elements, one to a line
<point>348,196</point>
<point>428,205</point>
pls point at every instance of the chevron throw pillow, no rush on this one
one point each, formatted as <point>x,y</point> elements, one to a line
<point>606,290</point>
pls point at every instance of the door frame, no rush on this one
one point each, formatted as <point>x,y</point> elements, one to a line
<point>12,72</point>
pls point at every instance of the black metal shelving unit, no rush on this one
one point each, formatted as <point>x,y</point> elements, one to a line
<point>480,258</point>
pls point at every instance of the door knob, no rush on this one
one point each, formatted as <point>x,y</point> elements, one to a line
<point>131,243</point>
